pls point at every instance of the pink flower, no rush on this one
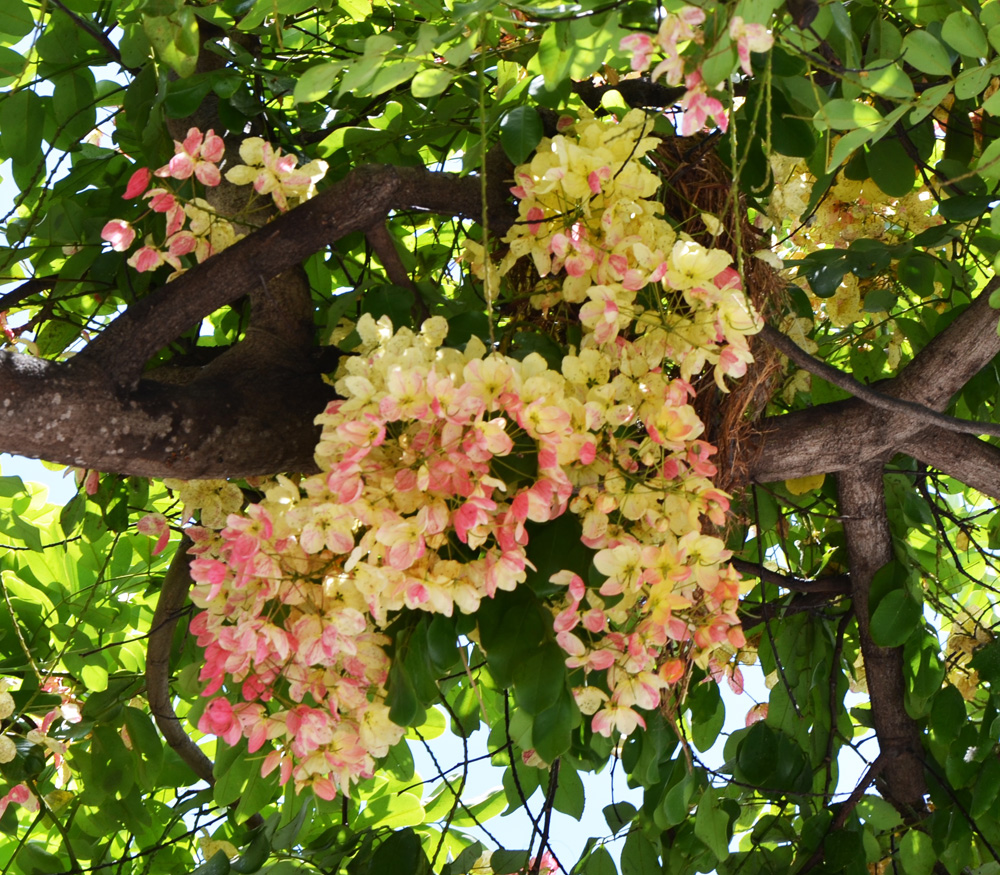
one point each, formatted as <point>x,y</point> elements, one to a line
<point>749,38</point>
<point>612,717</point>
<point>137,183</point>
<point>198,155</point>
<point>155,524</point>
<point>640,45</point>
<point>219,719</point>
<point>119,234</point>
<point>698,106</point>
<point>146,258</point>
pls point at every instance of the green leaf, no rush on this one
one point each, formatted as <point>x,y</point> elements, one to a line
<point>218,865</point>
<point>316,82</point>
<point>711,824</point>
<point>551,731</point>
<point>888,80</point>
<point>891,168</point>
<point>569,798</point>
<point>33,859</point>
<point>973,80</point>
<point>916,852</point>
<point>521,131</point>
<point>464,861</point>
<point>430,82</point>
<point>505,862</point>
<point>146,745</point>
<point>639,856</point>
<point>986,661</point>
<point>963,33</point>
<point>895,618</point>
<point>824,269</point>
<point>539,679</point>
<point>404,708</point>
<point>95,678</point>
<point>184,96</point>
<point>987,788</point>
<point>917,272</point>
<point>846,115</point>
<point>255,855</point>
<point>925,52</point>
<point>619,814</point>
<point>965,207</point>
<point>16,19</point>
<point>846,146</point>
<point>675,805</point>
<point>175,39</point>
<point>389,76</point>
<point>21,115</point>
<point>755,755</point>
<point>600,862</point>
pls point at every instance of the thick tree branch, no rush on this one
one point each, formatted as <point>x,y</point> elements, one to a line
<point>899,405</point>
<point>232,423</point>
<point>366,195</point>
<point>838,584</point>
<point>954,357</point>
<point>837,436</point>
<point>869,547</point>
<point>967,459</point>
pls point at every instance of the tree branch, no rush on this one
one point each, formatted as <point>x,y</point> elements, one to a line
<point>969,460</point>
<point>837,436</point>
<point>954,357</point>
<point>869,547</point>
<point>899,405</point>
<point>838,584</point>
<point>239,423</point>
<point>364,196</point>
<point>169,608</point>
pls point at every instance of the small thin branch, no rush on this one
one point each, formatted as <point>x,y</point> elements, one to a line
<point>550,798</point>
<point>845,809</point>
<point>838,650</point>
<point>837,584</point>
<point>385,248</point>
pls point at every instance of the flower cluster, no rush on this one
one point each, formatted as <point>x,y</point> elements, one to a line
<point>645,492</point>
<point>192,226</point>
<point>680,43</point>
<point>435,460</point>
<point>290,629</point>
<point>68,711</point>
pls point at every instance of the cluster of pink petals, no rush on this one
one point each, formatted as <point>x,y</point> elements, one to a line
<point>288,638</point>
<point>428,446</point>
<point>197,155</point>
<point>677,30</point>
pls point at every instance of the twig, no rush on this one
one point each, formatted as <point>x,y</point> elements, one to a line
<point>550,798</point>
<point>838,584</point>
<point>845,809</point>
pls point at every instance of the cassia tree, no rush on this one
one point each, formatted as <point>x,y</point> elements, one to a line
<point>530,367</point>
